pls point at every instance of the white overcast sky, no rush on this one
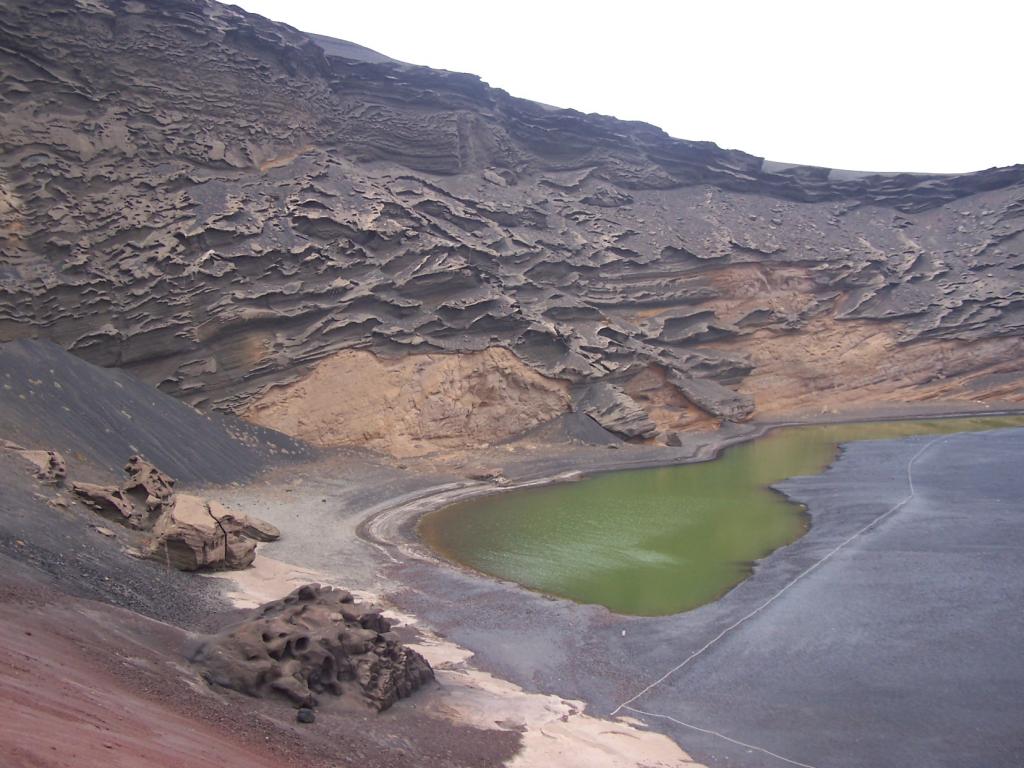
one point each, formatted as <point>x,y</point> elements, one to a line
<point>855,84</point>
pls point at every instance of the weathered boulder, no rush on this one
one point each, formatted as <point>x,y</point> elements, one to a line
<point>50,466</point>
<point>148,484</point>
<point>258,530</point>
<point>316,640</point>
<point>197,534</point>
<point>138,502</point>
<point>616,411</point>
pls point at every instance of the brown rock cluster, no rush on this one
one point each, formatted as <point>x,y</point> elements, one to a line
<point>315,641</point>
<point>50,466</point>
<point>185,531</point>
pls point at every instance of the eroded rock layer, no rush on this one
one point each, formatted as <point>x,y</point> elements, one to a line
<point>217,203</point>
<point>413,404</point>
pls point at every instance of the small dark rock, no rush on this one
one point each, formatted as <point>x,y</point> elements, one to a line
<point>305,715</point>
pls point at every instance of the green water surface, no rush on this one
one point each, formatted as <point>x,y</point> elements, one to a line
<point>657,541</point>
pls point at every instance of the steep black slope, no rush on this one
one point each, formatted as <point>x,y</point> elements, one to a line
<point>52,400</point>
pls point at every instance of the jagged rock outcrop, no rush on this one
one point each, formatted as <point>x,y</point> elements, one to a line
<point>616,411</point>
<point>138,502</point>
<point>49,466</point>
<point>147,484</point>
<point>110,502</point>
<point>184,531</point>
<point>315,641</point>
<point>713,398</point>
<point>217,203</point>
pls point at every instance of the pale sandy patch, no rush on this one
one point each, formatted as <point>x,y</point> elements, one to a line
<point>265,580</point>
<point>555,731</point>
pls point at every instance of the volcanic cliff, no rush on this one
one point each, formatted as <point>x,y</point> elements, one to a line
<point>358,250</point>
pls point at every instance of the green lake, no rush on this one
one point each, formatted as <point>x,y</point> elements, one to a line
<point>657,541</point>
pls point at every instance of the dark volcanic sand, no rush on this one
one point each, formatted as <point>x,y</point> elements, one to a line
<point>93,640</point>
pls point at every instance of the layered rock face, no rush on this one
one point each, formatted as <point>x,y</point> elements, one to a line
<point>220,204</point>
<point>415,404</point>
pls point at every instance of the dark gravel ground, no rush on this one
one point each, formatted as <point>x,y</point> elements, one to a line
<point>94,639</point>
<point>98,417</point>
<point>91,680</point>
<point>64,548</point>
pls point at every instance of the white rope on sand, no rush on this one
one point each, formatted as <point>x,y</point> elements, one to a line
<point>721,736</point>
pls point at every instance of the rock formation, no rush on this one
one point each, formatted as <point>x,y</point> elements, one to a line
<point>49,466</point>
<point>221,204</point>
<point>315,641</point>
<point>616,411</point>
<point>197,534</point>
<point>182,530</point>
